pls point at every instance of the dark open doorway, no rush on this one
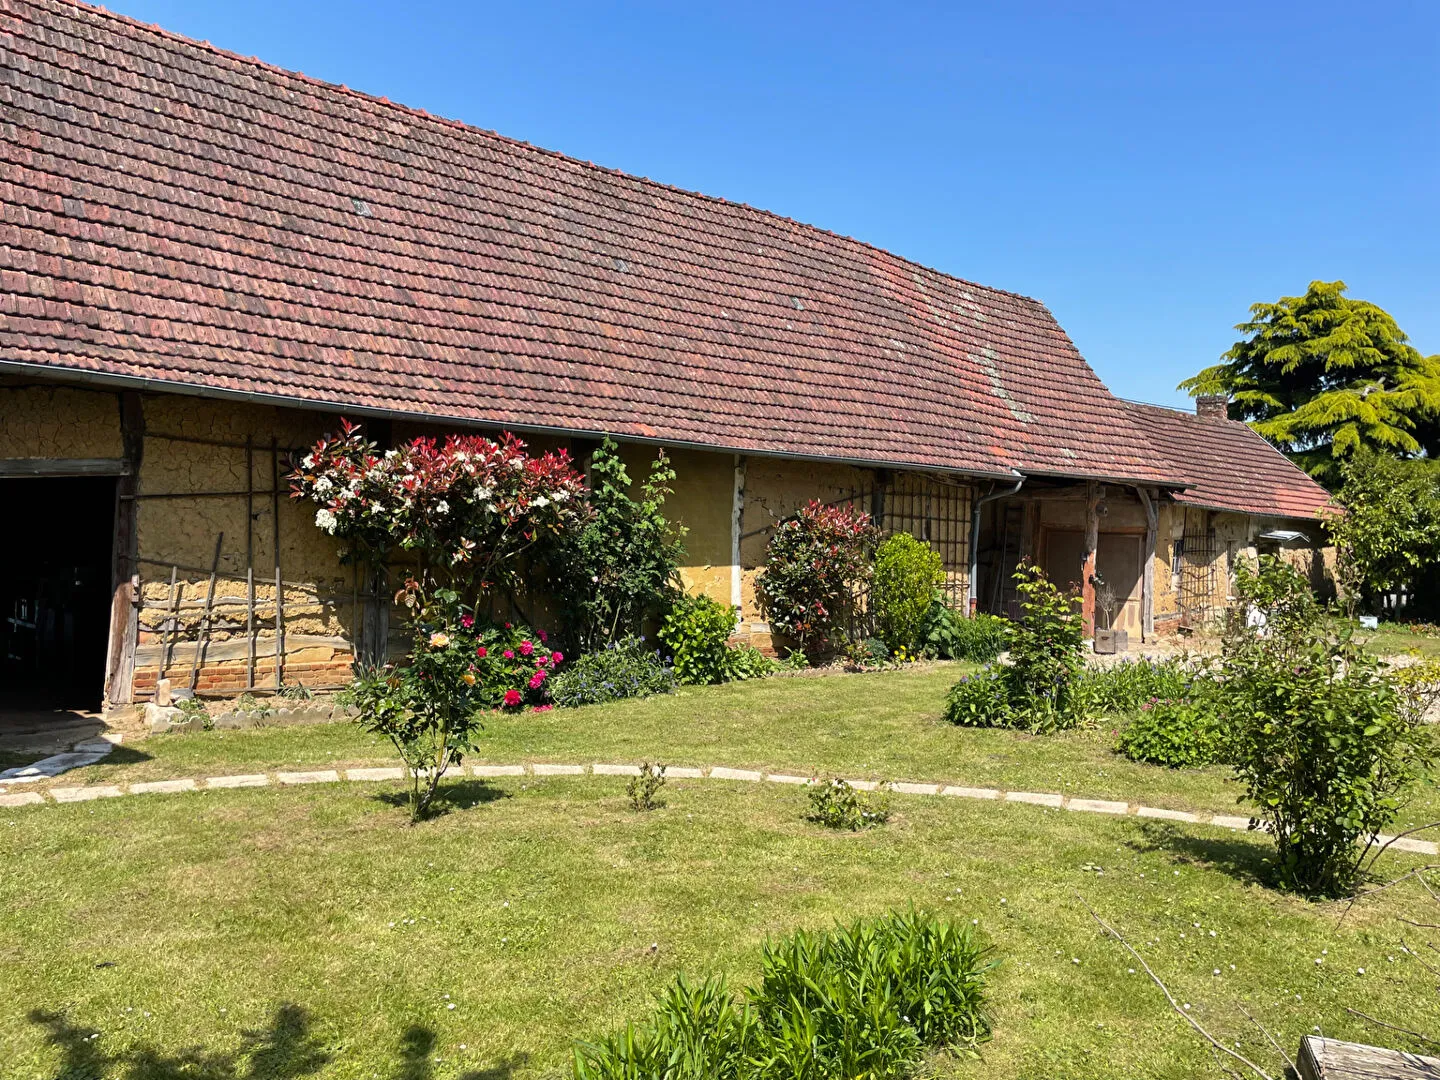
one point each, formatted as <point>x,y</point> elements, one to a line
<point>55,591</point>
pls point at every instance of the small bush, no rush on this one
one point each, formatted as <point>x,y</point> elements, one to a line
<point>697,631</point>
<point>1127,686</point>
<point>1036,690</point>
<point>1325,742</point>
<point>860,1001</point>
<point>644,788</point>
<point>907,573</point>
<point>1176,732</point>
<point>814,564</point>
<point>747,662</point>
<point>949,635</point>
<point>625,669</point>
<point>980,700</point>
<point>835,804</point>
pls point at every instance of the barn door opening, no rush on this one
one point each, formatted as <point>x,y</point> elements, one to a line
<point>55,591</point>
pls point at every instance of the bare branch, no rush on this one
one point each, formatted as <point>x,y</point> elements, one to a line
<point>1399,836</point>
<point>1415,872</point>
<point>1215,1044</point>
<point>1403,1031</point>
<point>1421,925</point>
<point>1269,1038</point>
<point>1418,958</point>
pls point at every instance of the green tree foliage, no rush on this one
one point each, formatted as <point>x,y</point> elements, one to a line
<point>1322,375</point>
<point>907,573</point>
<point>622,566</point>
<point>1388,534</point>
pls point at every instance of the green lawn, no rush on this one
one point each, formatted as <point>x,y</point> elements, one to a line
<point>310,931</point>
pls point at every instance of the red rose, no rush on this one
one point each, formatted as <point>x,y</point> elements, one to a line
<point>512,697</point>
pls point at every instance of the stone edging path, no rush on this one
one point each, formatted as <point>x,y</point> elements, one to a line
<point>1053,801</point>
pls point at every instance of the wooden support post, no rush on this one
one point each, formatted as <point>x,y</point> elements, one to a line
<point>125,575</point>
<point>1147,597</point>
<point>250,560</point>
<point>1087,568</point>
<point>203,638</point>
<point>275,541</point>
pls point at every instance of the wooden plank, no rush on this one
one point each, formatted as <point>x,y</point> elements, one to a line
<point>21,467</point>
<point>204,636</point>
<point>1331,1059</point>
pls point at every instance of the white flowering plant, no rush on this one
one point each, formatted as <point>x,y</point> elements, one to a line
<point>469,506</point>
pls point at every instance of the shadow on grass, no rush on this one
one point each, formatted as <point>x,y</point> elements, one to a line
<point>1246,860</point>
<point>458,795</point>
<point>285,1050</point>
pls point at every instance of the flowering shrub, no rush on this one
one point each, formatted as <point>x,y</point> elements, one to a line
<point>1178,732</point>
<point>980,700</point>
<point>470,505</point>
<point>430,706</point>
<point>814,563</point>
<point>625,669</point>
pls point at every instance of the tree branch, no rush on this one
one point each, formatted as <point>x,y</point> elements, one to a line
<point>1403,1031</point>
<point>1215,1044</point>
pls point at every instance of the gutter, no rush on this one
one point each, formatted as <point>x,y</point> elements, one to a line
<point>970,586</point>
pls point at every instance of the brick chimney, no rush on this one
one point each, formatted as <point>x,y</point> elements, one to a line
<point>1212,406</point>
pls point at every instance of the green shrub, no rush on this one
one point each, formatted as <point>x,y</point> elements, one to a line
<point>980,700</point>
<point>625,669</point>
<point>836,804</point>
<point>949,635</point>
<point>1176,732</point>
<point>1127,686</point>
<point>697,631</point>
<point>1036,690</point>
<point>621,565</point>
<point>747,662</point>
<point>907,573</point>
<point>860,1001</point>
<point>1324,741</point>
<point>814,564</point>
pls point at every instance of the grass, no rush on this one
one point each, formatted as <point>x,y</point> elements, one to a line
<point>1398,639</point>
<point>313,928</point>
<point>875,726</point>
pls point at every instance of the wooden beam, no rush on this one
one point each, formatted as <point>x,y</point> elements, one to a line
<point>1087,568</point>
<point>1147,596</point>
<point>22,467</point>
<point>124,580</point>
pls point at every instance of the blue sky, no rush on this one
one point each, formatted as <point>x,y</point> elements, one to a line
<point>1148,169</point>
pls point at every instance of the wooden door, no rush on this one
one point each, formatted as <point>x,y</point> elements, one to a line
<point>1118,566</point>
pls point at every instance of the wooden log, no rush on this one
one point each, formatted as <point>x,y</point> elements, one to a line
<point>1331,1059</point>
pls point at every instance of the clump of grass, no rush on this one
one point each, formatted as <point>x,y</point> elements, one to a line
<point>864,1000</point>
<point>644,788</point>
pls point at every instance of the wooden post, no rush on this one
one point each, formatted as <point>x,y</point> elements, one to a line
<point>203,637</point>
<point>250,560</point>
<point>1147,596</point>
<point>275,541</point>
<point>1087,567</point>
<point>125,576</point>
<point>171,626</point>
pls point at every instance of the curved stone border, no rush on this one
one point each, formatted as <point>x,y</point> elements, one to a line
<point>714,772</point>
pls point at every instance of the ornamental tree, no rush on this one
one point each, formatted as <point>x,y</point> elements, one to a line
<point>469,507</point>
<point>815,564</point>
<point>1322,375</point>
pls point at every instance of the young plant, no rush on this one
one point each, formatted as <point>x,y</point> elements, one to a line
<point>907,574</point>
<point>948,635</point>
<point>836,804</point>
<point>814,564</point>
<point>1180,733</point>
<point>644,788</point>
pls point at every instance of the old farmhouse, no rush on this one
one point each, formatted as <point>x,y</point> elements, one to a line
<point>206,261</point>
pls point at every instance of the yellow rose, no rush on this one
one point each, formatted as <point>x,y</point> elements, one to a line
<point>468,678</point>
<point>439,640</point>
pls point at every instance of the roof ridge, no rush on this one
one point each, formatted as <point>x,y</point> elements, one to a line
<point>445,121</point>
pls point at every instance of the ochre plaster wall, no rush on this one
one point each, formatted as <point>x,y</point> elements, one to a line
<point>58,422</point>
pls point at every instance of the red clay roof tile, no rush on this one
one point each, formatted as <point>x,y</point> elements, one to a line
<point>176,213</point>
<point>1229,467</point>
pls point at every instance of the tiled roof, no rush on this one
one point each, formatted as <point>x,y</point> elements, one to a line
<point>176,213</point>
<point>1229,467</point>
